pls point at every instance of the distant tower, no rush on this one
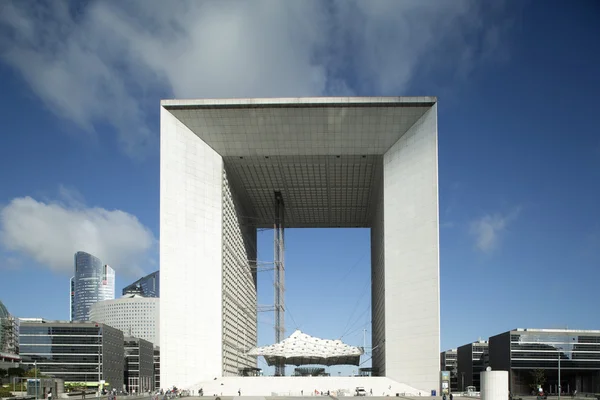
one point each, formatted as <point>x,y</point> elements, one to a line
<point>93,282</point>
<point>148,286</point>
<point>72,299</point>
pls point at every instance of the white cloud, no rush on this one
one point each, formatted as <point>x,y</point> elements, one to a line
<point>488,229</point>
<point>51,232</point>
<point>109,62</point>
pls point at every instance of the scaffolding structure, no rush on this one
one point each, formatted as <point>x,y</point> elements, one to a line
<point>279,281</point>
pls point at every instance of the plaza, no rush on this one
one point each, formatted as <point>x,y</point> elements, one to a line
<point>231,166</point>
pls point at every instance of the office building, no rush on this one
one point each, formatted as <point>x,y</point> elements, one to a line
<point>449,362</point>
<point>148,286</point>
<point>534,355</point>
<point>72,299</point>
<point>156,367</point>
<point>132,314</point>
<point>231,166</point>
<point>139,365</point>
<point>9,339</point>
<point>93,282</point>
<point>473,358</point>
<point>74,351</point>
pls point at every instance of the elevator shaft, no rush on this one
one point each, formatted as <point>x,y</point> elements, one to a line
<point>279,279</point>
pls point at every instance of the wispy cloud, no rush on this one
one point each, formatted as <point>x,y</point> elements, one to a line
<point>51,232</point>
<point>488,229</point>
<point>108,63</point>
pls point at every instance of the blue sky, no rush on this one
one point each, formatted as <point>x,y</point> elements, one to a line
<point>519,146</point>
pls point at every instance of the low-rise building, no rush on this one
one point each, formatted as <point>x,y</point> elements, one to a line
<point>537,357</point>
<point>89,353</point>
<point>472,358</point>
<point>156,367</point>
<point>449,362</point>
<point>139,365</point>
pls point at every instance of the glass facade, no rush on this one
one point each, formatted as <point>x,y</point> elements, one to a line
<point>480,362</point>
<point>148,286</point>
<point>75,352</point>
<point>472,358</point>
<point>578,352</point>
<point>543,349</point>
<point>72,299</point>
<point>449,363</point>
<point>93,282</point>
<point>156,367</point>
<point>139,365</point>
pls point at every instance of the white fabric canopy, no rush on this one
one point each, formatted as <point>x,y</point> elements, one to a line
<point>303,349</point>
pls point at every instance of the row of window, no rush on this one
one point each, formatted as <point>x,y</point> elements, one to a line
<point>553,339</point>
<point>553,364</point>
<point>66,330</point>
<point>60,340</point>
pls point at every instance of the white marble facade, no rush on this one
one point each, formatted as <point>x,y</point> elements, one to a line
<point>339,162</point>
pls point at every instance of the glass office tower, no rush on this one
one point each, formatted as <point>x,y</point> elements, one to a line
<point>148,286</point>
<point>72,299</point>
<point>93,282</point>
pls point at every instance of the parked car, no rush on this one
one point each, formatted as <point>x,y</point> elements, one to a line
<point>360,391</point>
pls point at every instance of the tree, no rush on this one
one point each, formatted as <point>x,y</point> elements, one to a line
<point>3,373</point>
<point>33,372</point>
<point>538,378</point>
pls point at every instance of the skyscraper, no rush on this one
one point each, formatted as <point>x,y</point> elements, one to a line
<point>148,286</point>
<point>72,299</point>
<point>93,282</point>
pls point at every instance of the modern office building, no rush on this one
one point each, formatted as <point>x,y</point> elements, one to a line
<point>72,298</point>
<point>9,339</point>
<point>473,358</point>
<point>449,362</point>
<point>156,367</point>
<point>148,286</point>
<point>74,351</point>
<point>132,314</point>
<point>93,282</point>
<point>541,353</point>
<point>139,365</point>
<point>231,166</point>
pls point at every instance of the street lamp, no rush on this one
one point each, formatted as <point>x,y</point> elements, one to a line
<point>559,348</point>
<point>35,380</point>
<point>559,387</point>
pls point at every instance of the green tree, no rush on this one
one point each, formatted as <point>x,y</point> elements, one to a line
<point>538,378</point>
<point>33,372</point>
<point>3,373</point>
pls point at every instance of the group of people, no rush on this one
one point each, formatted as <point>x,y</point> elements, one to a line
<point>449,397</point>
